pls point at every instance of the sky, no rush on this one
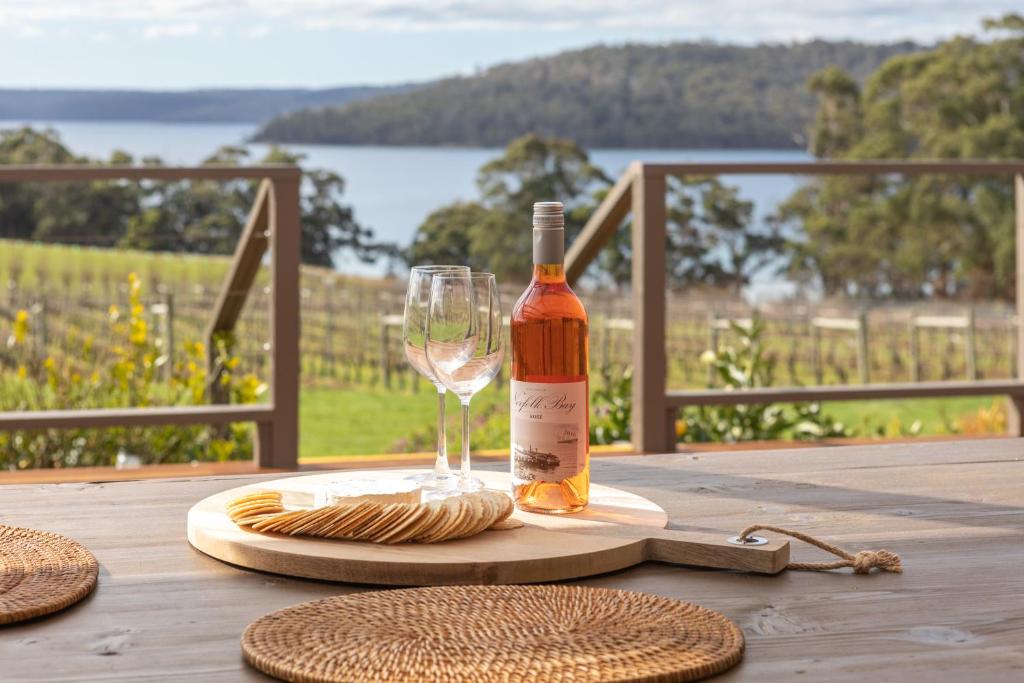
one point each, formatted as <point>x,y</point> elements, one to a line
<point>179,44</point>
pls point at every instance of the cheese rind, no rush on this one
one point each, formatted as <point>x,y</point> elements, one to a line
<point>367,491</point>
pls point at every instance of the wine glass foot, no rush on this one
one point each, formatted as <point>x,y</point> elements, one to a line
<point>470,485</point>
<point>434,481</point>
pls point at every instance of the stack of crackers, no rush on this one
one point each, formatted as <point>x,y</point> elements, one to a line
<point>432,522</point>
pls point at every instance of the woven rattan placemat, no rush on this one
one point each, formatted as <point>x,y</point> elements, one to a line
<point>41,572</point>
<point>493,633</point>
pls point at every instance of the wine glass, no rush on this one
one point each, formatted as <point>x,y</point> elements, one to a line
<point>417,301</point>
<point>464,343</point>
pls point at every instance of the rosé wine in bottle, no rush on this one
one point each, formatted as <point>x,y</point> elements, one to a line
<point>550,386</point>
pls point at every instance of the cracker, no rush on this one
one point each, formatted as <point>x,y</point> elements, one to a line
<point>455,517</point>
<point>406,528</point>
<point>326,521</point>
<point>350,517</point>
<point>456,508</point>
<point>255,519</point>
<point>275,523</point>
<point>254,509</point>
<point>481,513</point>
<point>313,521</point>
<point>366,521</point>
<point>242,518</point>
<point>386,520</point>
<point>258,496</point>
<point>438,518</point>
<point>505,524</point>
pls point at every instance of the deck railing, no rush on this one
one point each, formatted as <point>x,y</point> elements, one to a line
<point>273,224</point>
<point>641,191</point>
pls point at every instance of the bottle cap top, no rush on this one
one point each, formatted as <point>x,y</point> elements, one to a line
<point>548,215</point>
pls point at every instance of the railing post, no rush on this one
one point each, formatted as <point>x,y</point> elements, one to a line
<point>915,348</point>
<point>252,245</point>
<point>277,444</point>
<point>863,354</point>
<point>385,355</point>
<point>970,345</point>
<point>1015,412</point>
<point>819,373</point>
<point>168,334</point>
<point>712,344</point>
<point>653,423</point>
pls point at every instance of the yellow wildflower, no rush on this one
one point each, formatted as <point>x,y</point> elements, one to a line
<point>139,331</point>
<point>20,327</point>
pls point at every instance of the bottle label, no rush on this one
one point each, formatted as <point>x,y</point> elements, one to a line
<point>549,430</point>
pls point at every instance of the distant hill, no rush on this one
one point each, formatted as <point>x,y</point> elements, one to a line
<point>677,95</point>
<point>250,105</point>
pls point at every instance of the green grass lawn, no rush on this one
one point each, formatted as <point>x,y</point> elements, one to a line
<point>937,415</point>
<point>360,421</point>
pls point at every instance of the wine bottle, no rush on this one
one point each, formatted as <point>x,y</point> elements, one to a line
<point>550,387</point>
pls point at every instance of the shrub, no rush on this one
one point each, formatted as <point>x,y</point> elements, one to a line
<point>131,371</point>
<point>749,367</point>
<point>612,408</point>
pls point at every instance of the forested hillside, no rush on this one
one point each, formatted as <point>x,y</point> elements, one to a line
<point>255,105</point>
<point>678,95</point>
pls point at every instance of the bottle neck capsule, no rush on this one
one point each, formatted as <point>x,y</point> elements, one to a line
<point>548,245</point>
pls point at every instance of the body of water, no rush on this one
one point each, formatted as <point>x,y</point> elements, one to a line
<point>392,189</point>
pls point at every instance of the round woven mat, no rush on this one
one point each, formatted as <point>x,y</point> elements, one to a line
<point>493,633</point>
<point>41,572</point>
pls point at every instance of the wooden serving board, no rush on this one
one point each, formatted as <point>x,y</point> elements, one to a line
<point>617,530</point>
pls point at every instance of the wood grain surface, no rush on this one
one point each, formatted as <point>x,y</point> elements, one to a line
<point>617,530</point>
<point>954,511</point>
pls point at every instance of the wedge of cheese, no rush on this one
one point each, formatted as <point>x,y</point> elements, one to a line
<point>382,491</point>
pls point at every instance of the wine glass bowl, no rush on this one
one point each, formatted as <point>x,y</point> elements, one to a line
<point>417,303</point>
<point>464,343</point>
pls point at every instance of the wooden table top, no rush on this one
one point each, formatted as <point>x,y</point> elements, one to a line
<point>954,511</point>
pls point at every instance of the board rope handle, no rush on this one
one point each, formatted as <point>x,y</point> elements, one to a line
<point>862,562</point>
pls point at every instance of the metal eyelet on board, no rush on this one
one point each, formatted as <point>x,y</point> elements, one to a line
<point>749,540</point>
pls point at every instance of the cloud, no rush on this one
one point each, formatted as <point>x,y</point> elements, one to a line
<point>30,31</point>
<point>739,20</point>
<point>172,30</point>
<point>256,32</point>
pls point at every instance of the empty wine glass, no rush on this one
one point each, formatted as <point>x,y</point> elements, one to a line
<point>464,343</point>
<point>417,301</point>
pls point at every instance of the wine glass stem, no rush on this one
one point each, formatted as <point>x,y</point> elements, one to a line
<point>441,468</point>
<point>464,465</point>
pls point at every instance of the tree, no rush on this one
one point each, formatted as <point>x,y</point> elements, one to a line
<point>712,238</point>
<point>77,213</point>
<point>328,226</point>
<point>923,236</point>
<point>203,216</point>
<point>446,235</point>
<point>837,125</point>
<point>679,95</point>
<point>199,216</point>
<point>494,233</point>
<point>208,217</point>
